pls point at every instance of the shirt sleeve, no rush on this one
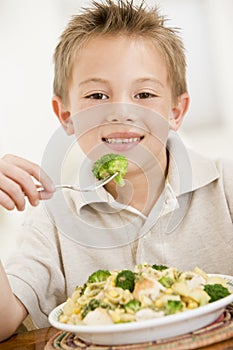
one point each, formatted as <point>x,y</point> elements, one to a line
<point>35,270</point>
<point>227,173</point>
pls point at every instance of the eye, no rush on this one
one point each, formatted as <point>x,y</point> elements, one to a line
<point>97,96</point>
<point>143,95</point>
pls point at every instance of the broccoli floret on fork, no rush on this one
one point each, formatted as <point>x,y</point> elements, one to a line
<point>110,164</point>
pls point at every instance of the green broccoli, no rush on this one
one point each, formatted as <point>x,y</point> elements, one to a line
<point>92,305</point>
<point>174,306</point>
<point>109,164</point>
<point>216,291</point>
<point>125,280</point>
<point>159,267</point>
<point>95,277</point>
<point>166,281</point>
<point>132,305</point>
<point>98,276</point>
<point>83,288</point>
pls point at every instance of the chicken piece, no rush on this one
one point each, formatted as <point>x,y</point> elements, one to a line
<point>97,317</point>
<point>149,288</point>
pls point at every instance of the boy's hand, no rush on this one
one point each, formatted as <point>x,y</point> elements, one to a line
<point>16,182</point>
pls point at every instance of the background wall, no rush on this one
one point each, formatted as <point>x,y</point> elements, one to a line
<point>29,30</point>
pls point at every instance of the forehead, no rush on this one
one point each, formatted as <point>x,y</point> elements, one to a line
<point>110,53</point>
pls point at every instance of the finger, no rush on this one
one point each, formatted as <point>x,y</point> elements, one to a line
<point>30,189</point>
<point>45,195</point>
<point>33,169</point>
<point>18,170</point>
<point>16,182</point>
<point>6,201</point>
<point>46,181</point>
<point>11,190</point>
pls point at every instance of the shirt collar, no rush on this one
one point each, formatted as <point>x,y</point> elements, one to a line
<point>187,171</point>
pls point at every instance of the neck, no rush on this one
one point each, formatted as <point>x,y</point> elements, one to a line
<point>142,188</point>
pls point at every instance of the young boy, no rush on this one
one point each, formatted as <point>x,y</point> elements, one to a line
<point>120,87</point>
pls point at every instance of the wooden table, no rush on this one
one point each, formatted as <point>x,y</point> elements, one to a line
<point>36,340</point>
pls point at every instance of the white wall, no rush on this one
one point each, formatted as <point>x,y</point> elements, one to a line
<point>27,37</point>
<point>29,30</point>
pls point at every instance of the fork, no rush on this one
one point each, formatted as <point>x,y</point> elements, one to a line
<point>90,188</point>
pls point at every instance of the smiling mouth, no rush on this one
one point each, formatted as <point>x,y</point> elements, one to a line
<point>120,141</point>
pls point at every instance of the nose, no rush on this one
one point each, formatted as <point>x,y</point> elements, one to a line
<point>121,113</point>
<point>120,119</point>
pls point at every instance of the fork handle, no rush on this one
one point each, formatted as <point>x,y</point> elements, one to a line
<point>57,187</point>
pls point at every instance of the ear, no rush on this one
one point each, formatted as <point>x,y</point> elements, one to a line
<point>178,111</point>
<point>63,115</point>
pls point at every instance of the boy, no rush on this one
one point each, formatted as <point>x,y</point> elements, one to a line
<point>120,86</point>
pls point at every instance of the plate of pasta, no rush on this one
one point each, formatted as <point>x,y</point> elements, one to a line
<point>151,302</point>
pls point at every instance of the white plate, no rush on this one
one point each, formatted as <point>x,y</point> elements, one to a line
<point>148,330</point>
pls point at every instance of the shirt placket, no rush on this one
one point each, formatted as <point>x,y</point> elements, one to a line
<point>166,204</point>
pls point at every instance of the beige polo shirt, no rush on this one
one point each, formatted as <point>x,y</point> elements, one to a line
<point>72,235</point>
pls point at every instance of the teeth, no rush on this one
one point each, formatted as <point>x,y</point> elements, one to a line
<point>120,141</point>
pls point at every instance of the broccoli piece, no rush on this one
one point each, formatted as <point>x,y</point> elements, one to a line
<point>92,305</point>
<point>98,276</point>
<point>95,277</point>
<point>174,306</point>
<point>216,291</point>
<point>166,281</point>
<point>125,280</point>
<point>109,164</point>
<point>159,267</point>
<point>132,305</point>
<point>83,289</point>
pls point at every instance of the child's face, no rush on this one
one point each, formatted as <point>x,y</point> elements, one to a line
<point>120,70</point>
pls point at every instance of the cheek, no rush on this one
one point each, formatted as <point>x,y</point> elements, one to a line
<point>83,104</point>
<point>164,110</point>
<point>76,104</point>
<point>88,140</point>
<point>156,139</point>
<point>156,144</point>
<point>163,105</point>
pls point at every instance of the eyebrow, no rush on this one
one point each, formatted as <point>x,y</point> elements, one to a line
<point>152,80</point>
<point>139,80</point>
<point>93,80</point>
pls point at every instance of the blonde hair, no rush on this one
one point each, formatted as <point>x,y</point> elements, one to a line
<point>110,18</point>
